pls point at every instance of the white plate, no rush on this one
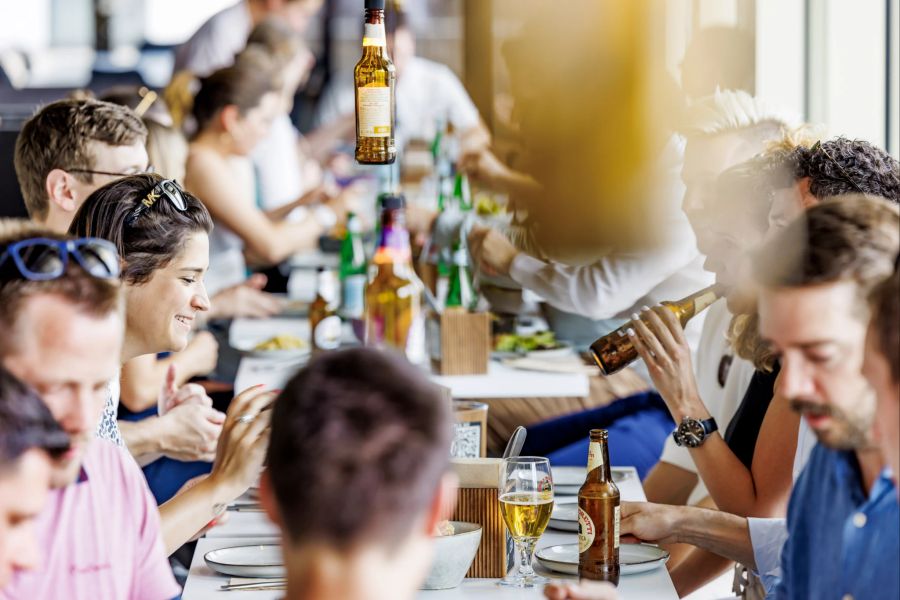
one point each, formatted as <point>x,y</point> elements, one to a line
<point>568,480</point>
<point>248,347</point>
<point>565,517</point>
<point>633,558</point>
<point>248,561</point>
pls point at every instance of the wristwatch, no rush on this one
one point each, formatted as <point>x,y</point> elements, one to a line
<point>693,432</point>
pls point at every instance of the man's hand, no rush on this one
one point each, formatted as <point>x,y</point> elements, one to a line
<point>491,251</point>
<point>245,300</point>
<point>659,339</point>
<point>483,167</point>
<point>646,522</point>
<point>190,431</point>
<point>586,590</point>
<point>242,446</point>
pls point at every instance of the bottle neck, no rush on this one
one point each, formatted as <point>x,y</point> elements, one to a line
<point>374,35</point>
<point>598,461</point>
<point>393,240</point>
<point>326,287</point>
<point>696,303</point>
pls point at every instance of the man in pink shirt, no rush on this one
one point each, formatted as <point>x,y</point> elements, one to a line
<point>29,437</point>
<point>61,332</point>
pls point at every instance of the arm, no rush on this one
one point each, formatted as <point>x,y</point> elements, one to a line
<point>186,432</point>
<point>271,241</point>
<point>697,567</point>
<point>764,491</point>
<point>239,457</point>
<point>143,376</point>
<point>717,531</point>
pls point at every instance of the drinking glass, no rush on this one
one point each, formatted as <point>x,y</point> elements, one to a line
<point>526,501</point>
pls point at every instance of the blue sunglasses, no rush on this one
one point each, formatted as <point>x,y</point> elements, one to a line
<point>42,259</point>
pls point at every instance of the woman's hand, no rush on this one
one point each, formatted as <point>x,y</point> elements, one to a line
<point>243,443</point>
<point>585,590</point>
<point>659,339</point>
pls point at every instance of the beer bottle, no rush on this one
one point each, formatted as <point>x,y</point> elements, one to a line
<point>375,81</point>
<point>461,192</point>
<point>394,316</point>
<point>460,291</point>
<point>353,270</point>
<point>598,516</point>
<point>324,322</point>
<point>614,351</point>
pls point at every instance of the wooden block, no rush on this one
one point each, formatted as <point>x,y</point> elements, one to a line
<point>482,506</point>
<point>460,342</point>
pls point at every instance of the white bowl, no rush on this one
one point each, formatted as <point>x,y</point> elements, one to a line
<point>453,555</point>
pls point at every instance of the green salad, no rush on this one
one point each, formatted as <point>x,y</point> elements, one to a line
<point>511,342</point>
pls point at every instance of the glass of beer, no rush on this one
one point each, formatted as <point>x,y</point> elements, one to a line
<point>526,501</point>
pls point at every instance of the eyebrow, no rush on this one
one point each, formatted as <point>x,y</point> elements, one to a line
<point>197,270</point>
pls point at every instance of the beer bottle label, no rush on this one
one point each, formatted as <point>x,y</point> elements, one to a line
<point>701,302</point>
<point>587,531</point>
<point>595,456</point>
<point>327,335</point>
<point>616,528</point>
<point>374,111</point>
<point>354,296</point>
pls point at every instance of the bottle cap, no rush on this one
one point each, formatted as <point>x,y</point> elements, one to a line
<point>393,202</point>
<point>374,4</point>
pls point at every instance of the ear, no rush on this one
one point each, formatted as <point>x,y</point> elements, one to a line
<point>267,499</point>
<point>229,118</point>
<point>806,197</point>
<point>58,187</point>
<point>443,503</point>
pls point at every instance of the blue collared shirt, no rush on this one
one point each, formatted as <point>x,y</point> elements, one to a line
<point>843,543</point>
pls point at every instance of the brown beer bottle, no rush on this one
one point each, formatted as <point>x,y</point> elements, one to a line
<point>324,322</point>
<point>598,516</point>
<point>614,351</point>
<point>374,81</point>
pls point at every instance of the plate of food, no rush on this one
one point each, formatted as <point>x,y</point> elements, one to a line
<point>540,344</point>
<point>283,345</point>
<point>633,558</point>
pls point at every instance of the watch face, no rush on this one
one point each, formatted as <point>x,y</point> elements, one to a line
<point>692,432</point>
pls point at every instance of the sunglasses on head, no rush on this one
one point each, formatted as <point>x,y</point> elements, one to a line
<point>168,189</point>
<point>42,259</point>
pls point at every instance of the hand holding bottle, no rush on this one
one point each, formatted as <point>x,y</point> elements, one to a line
<point>491,250</point>
<point>658,337</point>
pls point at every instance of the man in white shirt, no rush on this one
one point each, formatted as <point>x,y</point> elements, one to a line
<point>214,45</point>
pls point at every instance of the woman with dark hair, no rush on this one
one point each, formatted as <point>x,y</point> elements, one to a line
<point>234,110</point>
<point>162,235</point>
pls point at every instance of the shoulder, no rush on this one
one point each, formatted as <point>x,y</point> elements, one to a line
<point>112,467</point>
<point>432,70</point>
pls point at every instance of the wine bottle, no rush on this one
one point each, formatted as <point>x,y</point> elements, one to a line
<point>374,82</point>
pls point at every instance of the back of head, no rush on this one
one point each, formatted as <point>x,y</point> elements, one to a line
<point>25,423</point>
<point>735,110</point>
<point>278,39</point>
<point>153,239</point>
<point>360,441</point>
<point>884,302</point>
<point>845,238</point>
<point>91,295</point>
<point>243,84</point>
<point>844,166</point>
<point>59,137</point>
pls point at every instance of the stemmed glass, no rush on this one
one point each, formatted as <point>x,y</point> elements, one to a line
<point>526,502</point>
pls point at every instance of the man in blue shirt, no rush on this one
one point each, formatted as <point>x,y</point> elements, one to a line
<point>843,518</point>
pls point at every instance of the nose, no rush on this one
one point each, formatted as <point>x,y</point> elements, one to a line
<point>793,381</point>
<point>200,301</point>
<point>80,411</point>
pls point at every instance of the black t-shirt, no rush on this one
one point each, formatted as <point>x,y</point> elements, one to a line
<point>743,430</point>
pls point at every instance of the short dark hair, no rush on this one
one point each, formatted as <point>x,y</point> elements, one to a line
<point>243,84</point>
<point>93,296</point>
<point>152,240</point>
<point>360,441</point>
<point>844,166</point>
<point>25,423</point>
<point>885,304</point>
<point>846,238</point>
<point>57,137</point>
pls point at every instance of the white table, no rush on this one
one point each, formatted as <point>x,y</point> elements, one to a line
<point>501,381</point>
<point>246,528</point>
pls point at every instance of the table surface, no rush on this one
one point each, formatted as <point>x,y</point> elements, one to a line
<point>501,381</point>
<point>248,528</point>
